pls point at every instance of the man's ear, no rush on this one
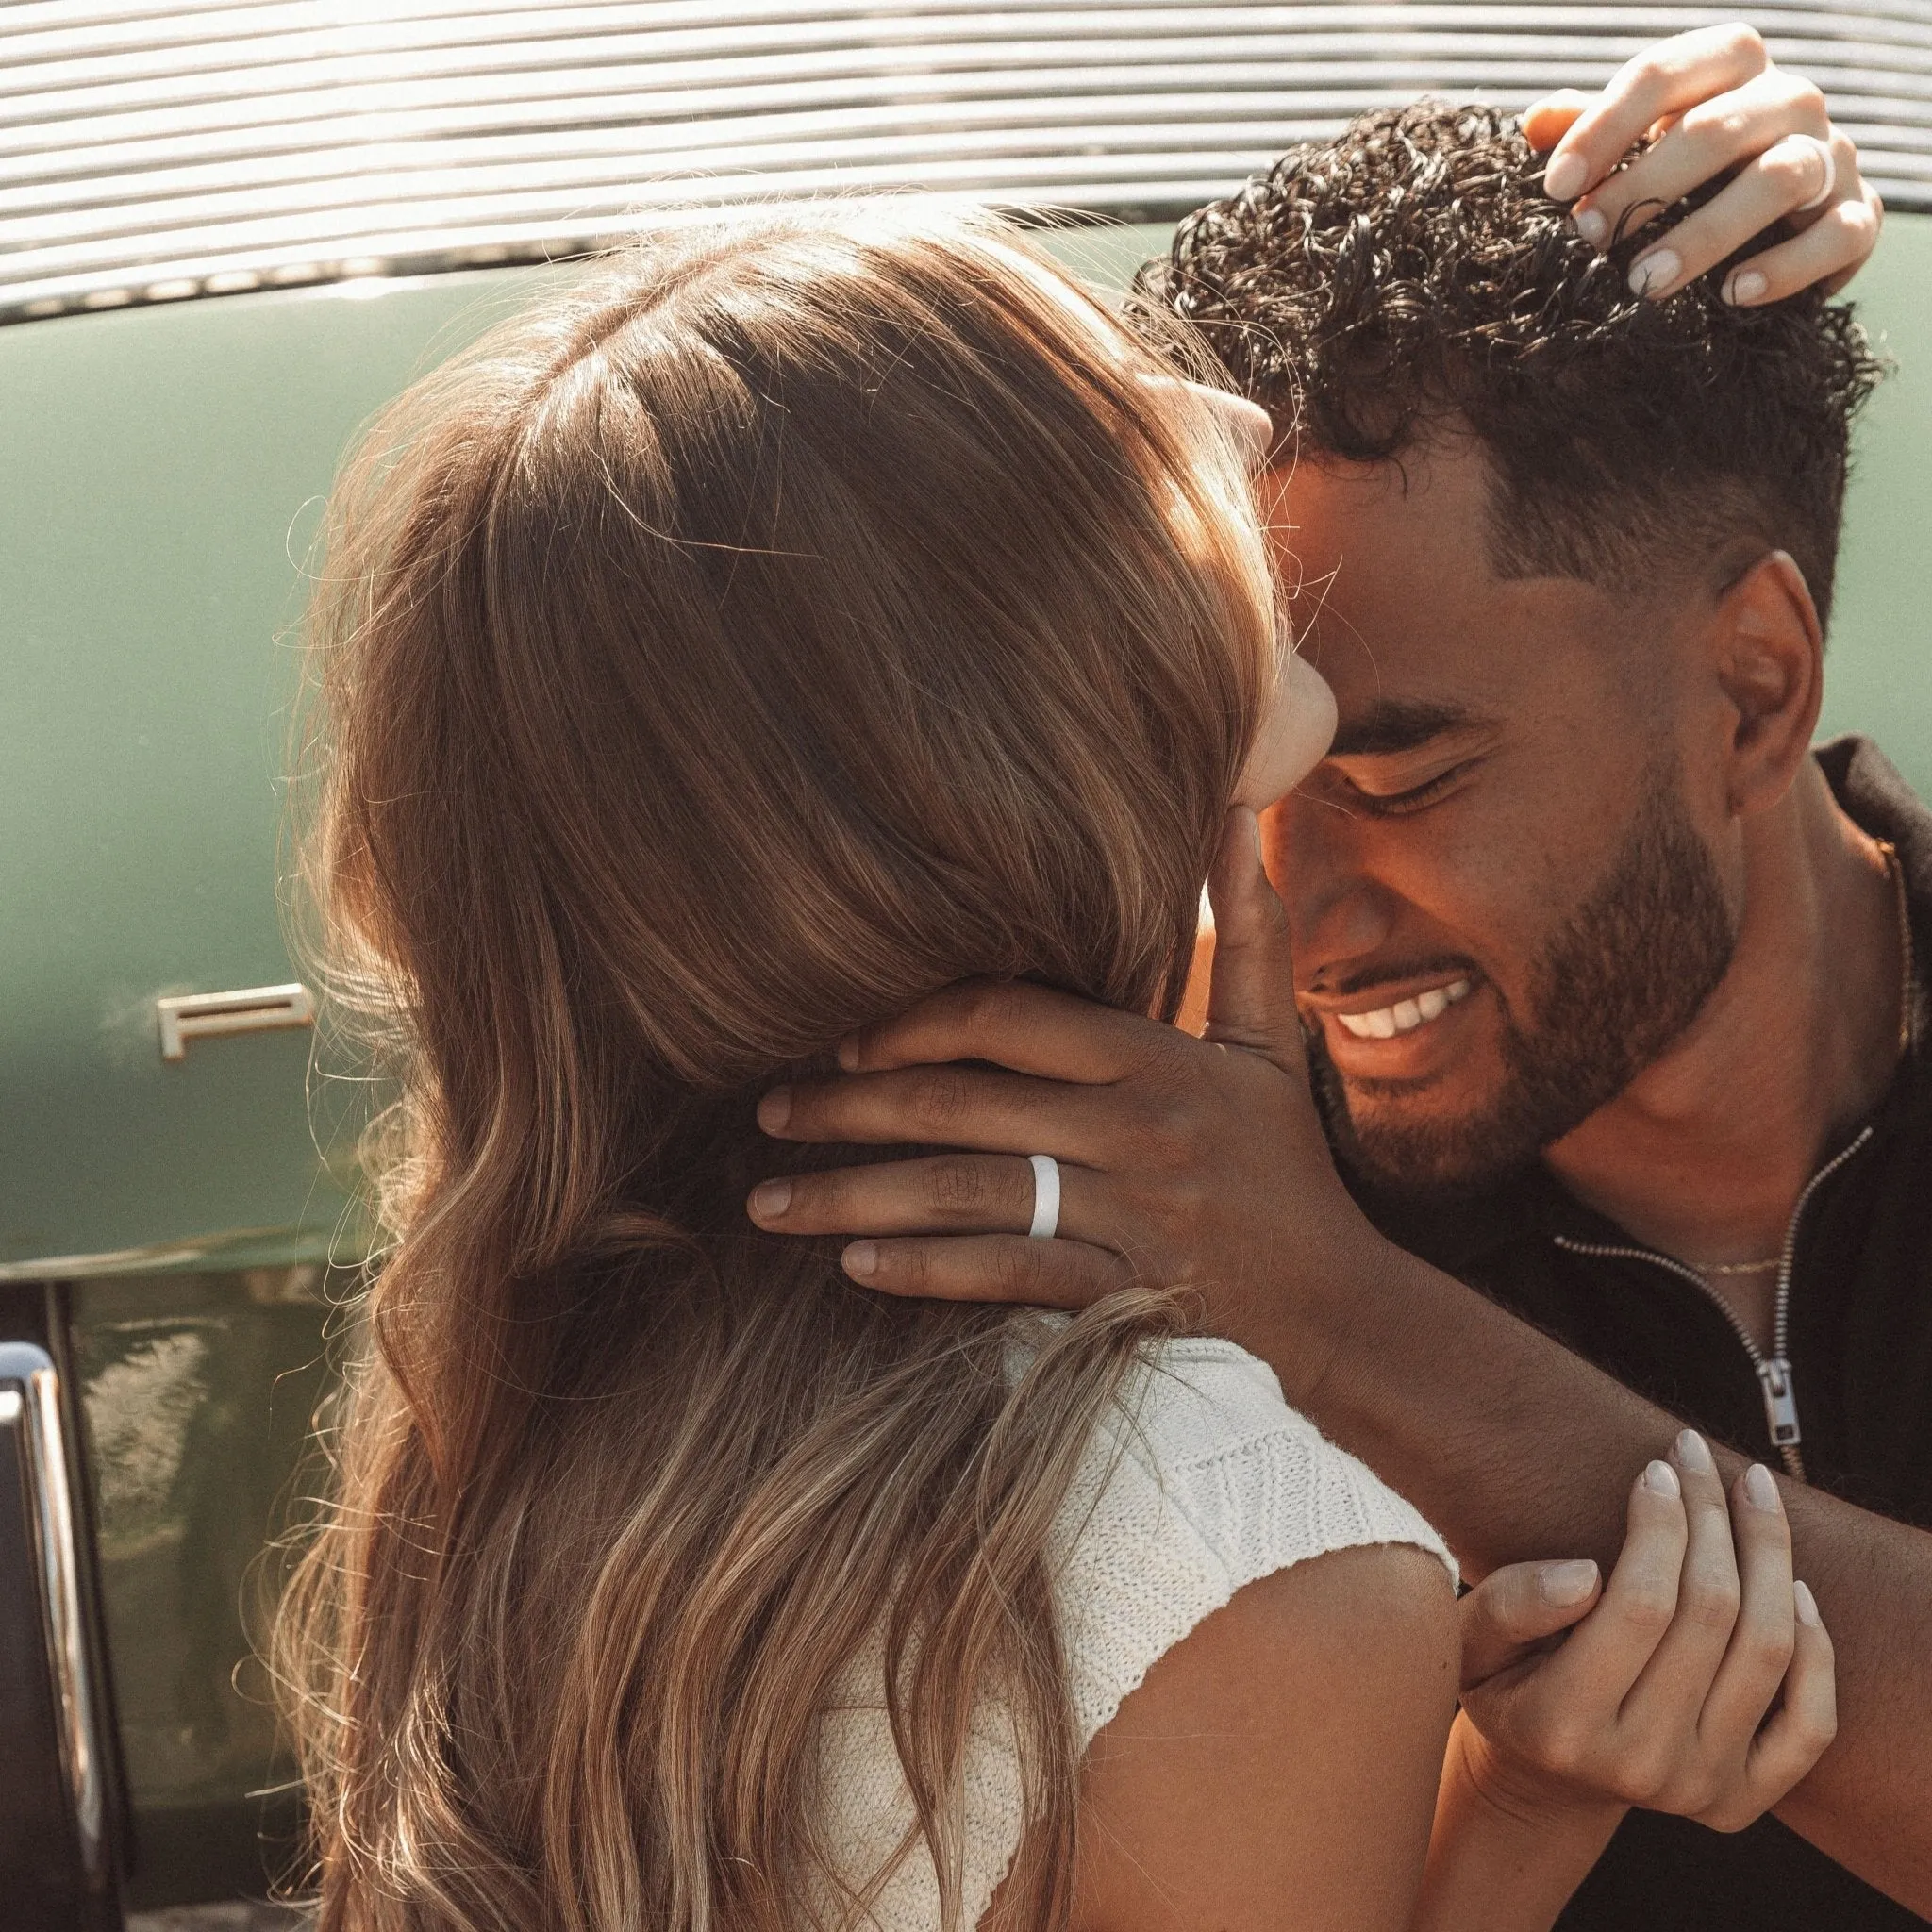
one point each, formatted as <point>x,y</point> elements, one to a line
<point>1768,653</point>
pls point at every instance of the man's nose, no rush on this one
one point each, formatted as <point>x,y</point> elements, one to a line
<point>1337,912</point>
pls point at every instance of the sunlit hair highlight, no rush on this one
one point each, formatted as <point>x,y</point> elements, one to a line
<point>791,619</point>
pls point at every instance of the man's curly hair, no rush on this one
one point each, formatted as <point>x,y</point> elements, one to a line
<point>1412,276</point>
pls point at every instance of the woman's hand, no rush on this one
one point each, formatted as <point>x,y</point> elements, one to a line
<point>1700,1683</point>
<point>1711,102</point>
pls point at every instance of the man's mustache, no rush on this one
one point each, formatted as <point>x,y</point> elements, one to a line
<point>1395,972</point>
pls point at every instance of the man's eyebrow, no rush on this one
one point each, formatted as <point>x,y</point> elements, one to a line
<point>1391,724</point>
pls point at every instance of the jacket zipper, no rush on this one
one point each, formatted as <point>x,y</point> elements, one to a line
<point>1774,1380</point>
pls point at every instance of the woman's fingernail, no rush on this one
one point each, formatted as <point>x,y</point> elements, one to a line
<point>1654,272</point>
<point>1564,177</point>
<point>1563,1584</point>
<point>770,1199</point>
<point>1760,1492</point>
<point>1661,1480</point>
<point>1592,227</point>
<point>1747,285</point>
<point>1806,1605</point>
<point>1693,1452</point>
<point>774,1109</point>
<point>861,1259</point>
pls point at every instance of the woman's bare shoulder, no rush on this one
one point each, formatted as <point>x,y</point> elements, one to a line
<point>1277,1767</point>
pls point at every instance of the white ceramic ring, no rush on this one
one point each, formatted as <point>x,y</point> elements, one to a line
<point>1823,150</point>
<point>1047,1197</point>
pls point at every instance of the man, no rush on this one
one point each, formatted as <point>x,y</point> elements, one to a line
<point>1613,989</point>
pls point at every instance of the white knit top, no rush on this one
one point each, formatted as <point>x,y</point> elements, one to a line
<point>1203,1479</point>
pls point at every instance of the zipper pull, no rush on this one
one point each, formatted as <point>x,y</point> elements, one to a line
<point>1780,1400</point>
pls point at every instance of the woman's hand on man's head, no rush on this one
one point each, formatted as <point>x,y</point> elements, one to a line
<point>1699,1681</point>
<point>1711,102</point>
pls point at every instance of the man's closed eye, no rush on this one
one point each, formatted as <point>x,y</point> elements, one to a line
<point>1352,793</point>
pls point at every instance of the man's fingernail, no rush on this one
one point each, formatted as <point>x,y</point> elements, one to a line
<point>1747,285</point>
<point>1806,1605</point>
<point>1567,1583</point>
<point>1760,1492</point>
<point>861,1259</point>
<point>1592,227</point>
<point>1564,177</point>
<point>1661,1480</point>
<point>1693,1452</point>
<point>848,1055</point>
<point>1655,271</point>
<point>774,1109</point>
<point>770,1199</point>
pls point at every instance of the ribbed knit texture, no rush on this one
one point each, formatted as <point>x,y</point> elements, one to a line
<point>1203,1479</point>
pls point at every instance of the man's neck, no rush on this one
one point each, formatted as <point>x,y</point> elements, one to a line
<point>1705,1153</point>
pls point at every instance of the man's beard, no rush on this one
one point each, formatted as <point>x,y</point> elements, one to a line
<point>1620,980</point>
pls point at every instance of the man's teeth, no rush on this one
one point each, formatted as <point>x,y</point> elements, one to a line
<point>1405,1016</point>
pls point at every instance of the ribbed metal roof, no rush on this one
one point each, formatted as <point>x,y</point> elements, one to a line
<point>152,149</point>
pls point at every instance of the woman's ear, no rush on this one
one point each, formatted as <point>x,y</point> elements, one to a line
<point>1768,651</point>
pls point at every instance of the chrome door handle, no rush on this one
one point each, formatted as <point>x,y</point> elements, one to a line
<point>30,1402</point>
<point>191,1016</point>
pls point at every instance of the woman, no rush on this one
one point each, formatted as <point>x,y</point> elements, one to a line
<point>794,619</point>
<point>780,626</point>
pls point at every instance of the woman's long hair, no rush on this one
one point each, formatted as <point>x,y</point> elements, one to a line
<point>794,618</point>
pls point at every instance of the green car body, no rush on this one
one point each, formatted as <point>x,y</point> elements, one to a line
<point>185,1225</point>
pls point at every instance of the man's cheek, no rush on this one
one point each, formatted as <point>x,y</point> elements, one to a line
<point>1458,895</point>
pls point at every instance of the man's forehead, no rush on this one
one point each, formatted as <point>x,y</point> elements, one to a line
<point>1387,589</point>
<point>1424,517</point>
<point>1451,465</point>
<point>1390,588</point>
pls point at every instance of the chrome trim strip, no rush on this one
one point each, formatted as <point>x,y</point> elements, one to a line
<point>342,1245</point>
<point>76,1705</point>
<point>157,149</point>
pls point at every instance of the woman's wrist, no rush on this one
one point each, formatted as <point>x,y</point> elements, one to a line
<point>1509,1846</point>
<point>1518,1795</point>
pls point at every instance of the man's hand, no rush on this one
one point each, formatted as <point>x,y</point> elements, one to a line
<point>1660,1696</point>
<point>1710,103</point>
<point>1190,1163</point>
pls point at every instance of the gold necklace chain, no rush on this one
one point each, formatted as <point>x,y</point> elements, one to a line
<point>1896,872</point>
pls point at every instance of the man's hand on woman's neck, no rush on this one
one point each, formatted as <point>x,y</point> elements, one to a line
<point>1705,1153</point>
